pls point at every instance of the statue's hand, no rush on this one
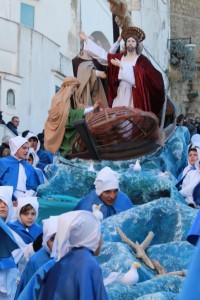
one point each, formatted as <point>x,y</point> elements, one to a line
<point>102,74</point>
<point>82,36</point>
<point>115,62</point>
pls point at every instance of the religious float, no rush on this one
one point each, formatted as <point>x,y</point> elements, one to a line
<point>123,133</point>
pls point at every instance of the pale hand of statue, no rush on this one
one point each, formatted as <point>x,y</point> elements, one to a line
<point>116,62</point>
<point>82,36</point>
<point>102,74</point>
<point>98,104</point>
<point>119,38</point>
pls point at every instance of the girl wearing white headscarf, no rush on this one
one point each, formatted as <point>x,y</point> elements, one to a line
<point>76,275</point>
<point>33,159</point>
<point>17,172</point>
<point>26,232</point>
<point>6,206</point>
<point>41,256</point>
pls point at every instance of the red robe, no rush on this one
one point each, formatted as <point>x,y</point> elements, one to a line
<point>148,92</point>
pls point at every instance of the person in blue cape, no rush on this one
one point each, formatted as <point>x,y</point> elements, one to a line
<point>106,195</point>
<point>76,275</point>
<point>26,232</point>
<point>16,172</point>
<point>194,233</point>
<point>33,159</point>
<point>41,256</point>
<point>8,267</point>
<point>191,286</point>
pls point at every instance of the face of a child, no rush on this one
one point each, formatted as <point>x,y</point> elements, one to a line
<point>29,160</point>
<point>28,218</point>
<point>192,157</point>
<point>33,143</point>
<point>3,210</point>
<point>51,241</point>
<point>22,151</point>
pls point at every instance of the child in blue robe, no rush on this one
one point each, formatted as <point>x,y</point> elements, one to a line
<point>8,268</point>
<point>41,256</point>
<point>76,275</point>
<point>27,233</point>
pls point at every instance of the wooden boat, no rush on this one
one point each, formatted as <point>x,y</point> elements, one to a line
<point>123,133</point>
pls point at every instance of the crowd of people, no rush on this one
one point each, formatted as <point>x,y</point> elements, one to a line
<point>56,260</point>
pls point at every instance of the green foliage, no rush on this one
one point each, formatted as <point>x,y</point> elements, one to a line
<point>182,58</point>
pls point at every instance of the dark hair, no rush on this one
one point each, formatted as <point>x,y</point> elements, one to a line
<point>25,209</point>
<point>15,117</point>
<point>25,132</point>
<point>192,148</point>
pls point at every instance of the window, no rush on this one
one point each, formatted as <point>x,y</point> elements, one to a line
<point>27,15</point>
<point>10,98</point>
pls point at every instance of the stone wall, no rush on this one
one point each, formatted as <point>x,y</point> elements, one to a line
<point>185,22</point>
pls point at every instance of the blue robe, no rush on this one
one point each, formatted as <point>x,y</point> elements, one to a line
<point>122,203</point>
<point>28,236</point>
<point>77,276</point>
<point>191,286</point>
<point>32,291</point>
<point>35,262</point>
<point>11,170</point>
<point>7,245</point>
<point>194,232</point>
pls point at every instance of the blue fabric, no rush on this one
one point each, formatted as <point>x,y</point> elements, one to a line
<point>77,276</point>
<point>196,194</point>
<point>122,203</point>
<point>191,286</point>
<point>45,157</point>
<point>194,232</point>
<point>28,236</point>
<point>11,171</point>
<point>35,262</point>
<point>9,244</point>
<point>32,291</point>
<point>40,175</point>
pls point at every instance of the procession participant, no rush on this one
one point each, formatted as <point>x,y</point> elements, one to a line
<point>41,256</point>
<point>76,275</point>
<point>33,159</point>
<point>132,80</point>
<point>27,233</point>
<point>8,267</point>
<point>16,172</point>
<point>106,194</point>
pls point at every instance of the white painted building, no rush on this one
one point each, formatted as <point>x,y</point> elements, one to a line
<point>39,39</point>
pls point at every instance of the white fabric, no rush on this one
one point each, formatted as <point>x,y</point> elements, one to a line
<point>31,135</point>
<point>16,143</point>
<point>8,286</point>
<point>76,229</point>
<point>191,180</point>
<point>6,196</point>
<point>126,75</point>
<point>35,157</point>
<point>195,139</point>
<point>88,110</point>
<point>49,229</point>
<point>24,201</point>
<point>106,180</point>
<point>23,253</point>
<point>114,47</point>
